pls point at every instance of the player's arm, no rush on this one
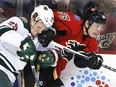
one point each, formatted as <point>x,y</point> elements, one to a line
<point>8,35</point>
<point>94,62</point>
<point>13,41</point>
<point>74,45</point>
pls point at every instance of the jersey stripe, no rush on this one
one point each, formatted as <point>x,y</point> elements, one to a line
<point>4,64</point>
<point>8,64</point>
<point>4,29</point>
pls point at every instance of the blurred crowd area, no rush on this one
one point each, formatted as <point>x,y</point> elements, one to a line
<point>25,7</point>
<point>9,8</point>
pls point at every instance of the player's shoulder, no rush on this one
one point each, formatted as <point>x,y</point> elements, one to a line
<point>22,21</point>
<point>15,21</point>
<point>19,19</point>
<point>25,22</point>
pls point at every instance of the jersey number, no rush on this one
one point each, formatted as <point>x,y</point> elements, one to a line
<point>13,25</point>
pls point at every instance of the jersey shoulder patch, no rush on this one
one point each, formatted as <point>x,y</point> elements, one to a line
<point>77,18</point>
<point>25,22</point>
<point>24,19</point>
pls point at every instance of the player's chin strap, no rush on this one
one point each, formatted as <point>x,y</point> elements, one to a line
<point>74,52</point>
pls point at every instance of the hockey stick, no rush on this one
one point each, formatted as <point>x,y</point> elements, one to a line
<point>84,56</point>
<point>35,76</point>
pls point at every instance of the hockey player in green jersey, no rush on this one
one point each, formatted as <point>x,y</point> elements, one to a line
<point>20,39</point>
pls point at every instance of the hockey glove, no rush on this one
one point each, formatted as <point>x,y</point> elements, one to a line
<point>45,59</point>
<point>76,46</point>
<point>95,61</point>
<point>28,49</point>
<point>46,37</point>
<point>79,61</point>
<point>66,54</point>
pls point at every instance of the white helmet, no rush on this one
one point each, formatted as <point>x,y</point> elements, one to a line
<point>45,14</point>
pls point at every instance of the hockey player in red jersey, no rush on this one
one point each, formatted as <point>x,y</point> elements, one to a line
<point>76,29</point>
<point>92,24</point>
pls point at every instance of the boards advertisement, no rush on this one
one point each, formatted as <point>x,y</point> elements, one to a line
<point>85,77</point>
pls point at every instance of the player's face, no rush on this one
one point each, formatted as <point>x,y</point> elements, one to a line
<point>38,27</point>
<point>95,30</point>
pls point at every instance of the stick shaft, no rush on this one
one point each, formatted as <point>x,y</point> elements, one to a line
<point>108,67</point>
<point>36,79</point>
<point>72,51</point>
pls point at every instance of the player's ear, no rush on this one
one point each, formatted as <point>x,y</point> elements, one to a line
<point>32,20</point>
<point>87,24</point>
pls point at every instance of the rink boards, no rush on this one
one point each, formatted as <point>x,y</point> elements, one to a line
<point>77,77</point>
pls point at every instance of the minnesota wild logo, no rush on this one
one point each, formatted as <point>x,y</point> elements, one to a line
<point>105,40</point>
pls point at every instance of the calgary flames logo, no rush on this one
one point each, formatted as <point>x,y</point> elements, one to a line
<point>105,40</point>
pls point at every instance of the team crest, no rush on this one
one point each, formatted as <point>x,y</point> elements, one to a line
<point>64,16</point>
<point>24,19</point>
<point>105,40</point>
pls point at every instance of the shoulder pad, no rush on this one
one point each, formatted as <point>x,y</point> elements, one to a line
<point>25,22</point>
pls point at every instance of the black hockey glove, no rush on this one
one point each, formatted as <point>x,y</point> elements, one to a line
<point>46,37</point>
<point>66,54</point>
<point>76,46</point>
<point>95,61</point>
<point>79,61</point>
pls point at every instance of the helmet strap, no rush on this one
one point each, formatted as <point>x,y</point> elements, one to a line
<point>87,28</point>
<point>33,24</point>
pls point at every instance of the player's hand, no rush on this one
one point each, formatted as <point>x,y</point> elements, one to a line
<point>66,54</point>
<point>76,46</point>
<point>28,49</point>
<point>46,37</point>
<point>95,61</point>
<point>45,59</point>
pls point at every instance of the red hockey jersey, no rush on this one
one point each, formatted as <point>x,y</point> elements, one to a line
<point>69,27</point>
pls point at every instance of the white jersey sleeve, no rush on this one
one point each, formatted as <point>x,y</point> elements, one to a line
<point>12,32</point>
<point>18,24</point>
